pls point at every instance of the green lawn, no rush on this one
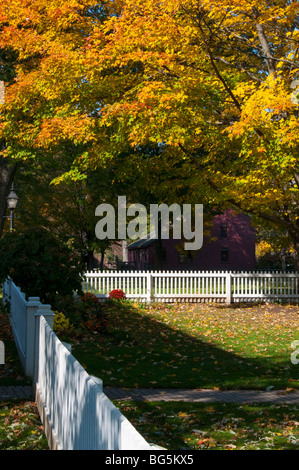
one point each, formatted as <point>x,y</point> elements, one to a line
<point>216,426</point>
<point>193,346</point>
<point>180,346</point>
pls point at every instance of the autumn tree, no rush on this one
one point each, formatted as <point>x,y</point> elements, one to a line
<point>67,210</point>
<point>214,83</point>
<point>7,169</point>
<point>66,206</point>
<point>41,67</point>
<point>273,249</point>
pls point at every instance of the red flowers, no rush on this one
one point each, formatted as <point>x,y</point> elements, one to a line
<point>117,294</point>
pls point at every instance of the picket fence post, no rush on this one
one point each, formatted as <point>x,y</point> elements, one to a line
<point>149,287</point>
<point>31,308</point>
<point>228,287</point>
<point>45,311</point>
<point>7,290</point>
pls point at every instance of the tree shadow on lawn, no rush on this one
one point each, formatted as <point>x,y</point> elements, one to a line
<point>11,372</point>
<point>137,351</point>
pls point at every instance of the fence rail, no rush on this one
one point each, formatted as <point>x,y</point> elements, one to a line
<point>76,414</point>
<point>81,415</point>
<point>18,303</point>
<point>197,286</point>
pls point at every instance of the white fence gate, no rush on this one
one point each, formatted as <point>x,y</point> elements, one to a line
<point>196,286</point>
<point>76,414</point>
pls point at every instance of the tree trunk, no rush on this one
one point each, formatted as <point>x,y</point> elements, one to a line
<point>296,254</point>
<point>7,174</point>
<point>90,260</point>
<point>102,260</point>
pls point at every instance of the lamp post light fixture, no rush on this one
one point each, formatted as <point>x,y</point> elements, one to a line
<point>12,201</point>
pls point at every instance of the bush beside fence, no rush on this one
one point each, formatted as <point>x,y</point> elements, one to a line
<point>75,412</point>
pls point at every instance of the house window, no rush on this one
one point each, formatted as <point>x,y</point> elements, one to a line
<point>224,254</point>
<point>182,257</point>
<point>223,230</point>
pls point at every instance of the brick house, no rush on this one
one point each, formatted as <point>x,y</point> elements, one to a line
<point>229,246</point>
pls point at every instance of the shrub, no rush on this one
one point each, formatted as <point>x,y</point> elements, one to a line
<point>90,297</point>
<point>97,322</point>
<point>61,323</point>
<point>40,264</point>
<point>117,294</point>
<point>83,315</point>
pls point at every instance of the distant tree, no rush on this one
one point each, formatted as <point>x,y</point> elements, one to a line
<point>40,264</point>
<point>66,209</point>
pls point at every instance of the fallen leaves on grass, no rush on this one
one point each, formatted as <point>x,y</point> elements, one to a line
<point>20,427</point>
<point>200,426</point>
<point>196,346</point>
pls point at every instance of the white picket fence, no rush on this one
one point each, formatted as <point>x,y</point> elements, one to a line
<point>76,414</point>
<point>197,286</point>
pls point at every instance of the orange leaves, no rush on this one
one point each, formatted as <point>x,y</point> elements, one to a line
<point>40,26</point>
<point>192,74</point>
<point>269,109</point>
<point>54,130</point>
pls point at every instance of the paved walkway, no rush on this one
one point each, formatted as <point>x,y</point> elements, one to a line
<point>231,396</point>
<point>202,395</point>
<point>11,392</point>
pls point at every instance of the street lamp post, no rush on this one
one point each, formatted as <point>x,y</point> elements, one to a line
<point>12,200</point>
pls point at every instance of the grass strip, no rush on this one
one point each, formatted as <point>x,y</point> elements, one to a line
<point>216,426</point>
<point>193,346</point>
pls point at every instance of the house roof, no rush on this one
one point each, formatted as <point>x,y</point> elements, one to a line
<point>142,243</point>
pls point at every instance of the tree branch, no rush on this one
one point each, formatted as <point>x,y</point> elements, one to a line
<point>276,220</point>
<point>239,67</point>
<point>266,49</point>
<point>218,74</point>
<point>296,176</point>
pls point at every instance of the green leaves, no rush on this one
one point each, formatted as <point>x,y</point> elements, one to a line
<point>40,264</point>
